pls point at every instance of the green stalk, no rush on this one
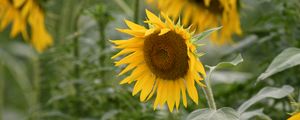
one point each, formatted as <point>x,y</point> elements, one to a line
<point>77,67</point>
<point>102,44</point>
<point>78,9</point>
<point>36,88</point>
<point>76,49</point>
<point>1,91</point>
<point>208,93</point>
<point>124,7</point>
<point>136,11</point>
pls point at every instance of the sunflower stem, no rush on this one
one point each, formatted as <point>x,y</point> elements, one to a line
<point>122,4</point>
<point>76,54</point>
<point>136,11</point>
<point>35,88</point>
<point>1,91</point>
<point>78,9</point>
<point>208,92</point>
<point>102,45</point>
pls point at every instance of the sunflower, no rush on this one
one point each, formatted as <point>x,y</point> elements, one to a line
<point>21,12</point>
<point>163,59</point>
<point>204,14</point>
<point>295,117</point>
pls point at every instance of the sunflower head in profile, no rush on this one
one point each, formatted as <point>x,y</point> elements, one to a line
<point>162,60</point>
<point>23,13</point>
<point>204,14</point>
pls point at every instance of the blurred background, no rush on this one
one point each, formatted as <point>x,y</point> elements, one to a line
<point>75,78</point>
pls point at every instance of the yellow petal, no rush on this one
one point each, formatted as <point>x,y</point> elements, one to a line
<point>18,3</point>
<point>183,91</point>
<point>158,94</point>
<point>149,32</point>
<point>187,16</point>
<point>206,2</point>
<point>139,84</point>
<point>200,68</point>
<point>147,88</point>
<point>192,61</point>
<point>153,90</point>
<point>27,7</point>
<point>177,93</point>
<point>191,89</point>
<point>19,26</point>
<point>126,80</point>
<point>137,33</point>
<point>164,31</point>
<point>129,67</point>
<point>135,74</point>
<point>170,95</point>
<point>138,44</point>
<point>168,20</point>
<point>137,55</point>
<point>155,24</point>
<point>164,92</point>
<point>134,26</point>
<point>41,39</point>
<point>198,78</point>
<point>7,18</point>
<point>129,41</point>
<point>153,18</point>
<point>123,52</point>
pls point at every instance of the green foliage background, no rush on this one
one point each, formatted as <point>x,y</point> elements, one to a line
<point>76,79</point>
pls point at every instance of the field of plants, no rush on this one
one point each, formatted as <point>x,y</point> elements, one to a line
<point>149,60</point>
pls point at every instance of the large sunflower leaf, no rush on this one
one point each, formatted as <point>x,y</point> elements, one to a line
<point>266,92</point>
<point>225,113</point>
<point>229,77</point>
<point>234,62</point>
<point>290,57</point>
<point>250,114</point>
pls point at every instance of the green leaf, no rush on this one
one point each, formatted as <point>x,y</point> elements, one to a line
<point>290,57</point>
<point>250,114</point>
<point>266,92</point>
<point>234,62</point>
<point>208,92</point>
<point>229,77</point>
<point>204,34</point>
<point>225,113</point>
<point>23,50</point>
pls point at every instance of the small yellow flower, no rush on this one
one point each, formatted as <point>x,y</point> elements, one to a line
<point>295,117</point>
<point>204,14</point>
<point>162,59</point>
<point>21,12</point>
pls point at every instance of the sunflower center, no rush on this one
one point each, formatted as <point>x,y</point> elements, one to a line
<point>215,6</point>
<point>166,55</point>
